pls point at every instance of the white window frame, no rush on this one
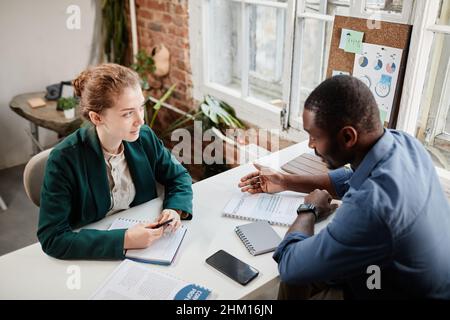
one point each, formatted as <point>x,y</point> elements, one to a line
<point>357,9</point>
<point>295,122</point>
<point>422,39</point>
<point>249,108</point>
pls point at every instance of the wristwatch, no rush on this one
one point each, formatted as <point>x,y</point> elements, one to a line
<point>308,207</point>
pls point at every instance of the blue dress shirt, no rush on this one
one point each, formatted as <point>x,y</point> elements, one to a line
<point>394,214</point>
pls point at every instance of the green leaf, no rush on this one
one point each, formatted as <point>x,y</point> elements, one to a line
<point>158,105</point>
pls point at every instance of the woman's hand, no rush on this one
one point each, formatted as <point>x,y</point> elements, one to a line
<point>168,214</point>
<point>141,236</point>
<point>264,180</point>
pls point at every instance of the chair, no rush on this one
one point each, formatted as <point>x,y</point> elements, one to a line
<point>3,204</point>
<point>33,176</point>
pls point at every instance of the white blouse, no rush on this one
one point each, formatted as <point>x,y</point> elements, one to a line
<point>121,184</point>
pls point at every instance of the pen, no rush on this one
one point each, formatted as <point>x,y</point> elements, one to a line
<point>159,225</point>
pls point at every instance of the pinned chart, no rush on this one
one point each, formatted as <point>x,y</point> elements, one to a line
<point>377,67</point>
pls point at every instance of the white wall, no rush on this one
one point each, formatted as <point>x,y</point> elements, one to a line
<point>37,49</point>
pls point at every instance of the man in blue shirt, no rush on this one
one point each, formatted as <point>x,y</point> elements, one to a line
<point>390,237</point>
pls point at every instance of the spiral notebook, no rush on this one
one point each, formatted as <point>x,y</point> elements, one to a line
<point>162,251</point>
<point>258,237</point>
<point>278,209</point>
<point>134,281</point>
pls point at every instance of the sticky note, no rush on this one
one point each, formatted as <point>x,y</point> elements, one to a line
<point>383,115</point>
<point>353,41</point>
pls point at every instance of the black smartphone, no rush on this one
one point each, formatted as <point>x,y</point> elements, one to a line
<point>232,267</point>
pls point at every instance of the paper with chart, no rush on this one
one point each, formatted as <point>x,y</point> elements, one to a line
<point>378,67</point>
<point>280,208</point>
<point>133,281</point>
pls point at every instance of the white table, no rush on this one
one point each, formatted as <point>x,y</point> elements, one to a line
<point>29,273</point>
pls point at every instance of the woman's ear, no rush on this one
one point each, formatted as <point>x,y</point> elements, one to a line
<point>349,136</point>
<point>95,118</point>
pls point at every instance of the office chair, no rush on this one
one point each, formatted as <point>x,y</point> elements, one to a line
<point>3,204</point>
<point>33,176</point>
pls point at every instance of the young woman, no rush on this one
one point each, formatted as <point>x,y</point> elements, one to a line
<point>110,165</point>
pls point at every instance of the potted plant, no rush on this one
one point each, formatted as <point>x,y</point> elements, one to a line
<point>68,106</point>
<point>216,115</point>
<point>212,113</point>
<point>144,66</point>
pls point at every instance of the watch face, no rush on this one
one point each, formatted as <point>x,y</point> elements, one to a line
<point>306,207</point>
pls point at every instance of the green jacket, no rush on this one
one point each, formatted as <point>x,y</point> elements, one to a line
<point>75,192</point>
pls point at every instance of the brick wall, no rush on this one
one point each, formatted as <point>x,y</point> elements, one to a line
<point>166,21</point>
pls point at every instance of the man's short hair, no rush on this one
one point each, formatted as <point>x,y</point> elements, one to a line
<point>344,100</point>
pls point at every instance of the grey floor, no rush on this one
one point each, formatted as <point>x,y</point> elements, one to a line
<point>18,224</point>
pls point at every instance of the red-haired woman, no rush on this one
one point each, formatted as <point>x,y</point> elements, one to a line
<point>110,165</point>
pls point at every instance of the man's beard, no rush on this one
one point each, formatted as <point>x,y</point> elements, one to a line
<point>330,165</point>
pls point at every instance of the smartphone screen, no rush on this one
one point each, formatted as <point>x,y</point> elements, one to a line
<point>232,267</point>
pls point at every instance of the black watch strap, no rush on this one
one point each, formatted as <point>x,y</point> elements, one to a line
<point>304,208</point>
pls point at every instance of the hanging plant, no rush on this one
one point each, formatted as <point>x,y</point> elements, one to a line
<point>144,66</point>
<point>114,30</point>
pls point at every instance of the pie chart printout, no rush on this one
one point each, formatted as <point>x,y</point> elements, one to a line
<point>363,61</point>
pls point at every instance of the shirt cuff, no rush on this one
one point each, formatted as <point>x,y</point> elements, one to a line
<point>339,178</point>
<point>183,214</point>
<point>288,239</point>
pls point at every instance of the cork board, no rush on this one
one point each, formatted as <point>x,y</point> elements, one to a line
<point>389,34</point>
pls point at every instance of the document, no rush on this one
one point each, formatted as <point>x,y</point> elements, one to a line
<point>133,281</point>
<point>280,208</point>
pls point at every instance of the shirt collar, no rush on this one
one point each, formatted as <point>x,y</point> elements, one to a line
<point>372,158</point>
<point>109,156</point>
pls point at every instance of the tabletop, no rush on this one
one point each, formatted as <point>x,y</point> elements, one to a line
<point>47,117</point>
<point>29,273</point>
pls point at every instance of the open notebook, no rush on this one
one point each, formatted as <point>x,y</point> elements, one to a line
<point>279,209</point>
<point>162,251</point>
<point>133,281</point>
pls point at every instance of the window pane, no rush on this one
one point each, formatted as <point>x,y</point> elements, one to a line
<point>266,54</point>
<point>315,44</point>
<point>223,43</point>
<point>330,7</point>
<point>433,127</point>
<point>444,15</point>
<point>314,55</point>
<point>386,6</point>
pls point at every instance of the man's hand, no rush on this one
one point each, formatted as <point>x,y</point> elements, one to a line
<point>321,199</point>
<point>304,223</point>
<point>167,214</point>
<point>141,236</point>
<point>264,180</point>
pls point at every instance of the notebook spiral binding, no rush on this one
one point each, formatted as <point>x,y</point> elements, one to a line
<point>255,219</point>
<point>243,238</point>
<point>132,220</point>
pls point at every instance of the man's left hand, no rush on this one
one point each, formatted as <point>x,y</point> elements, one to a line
<point>321,199</point>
